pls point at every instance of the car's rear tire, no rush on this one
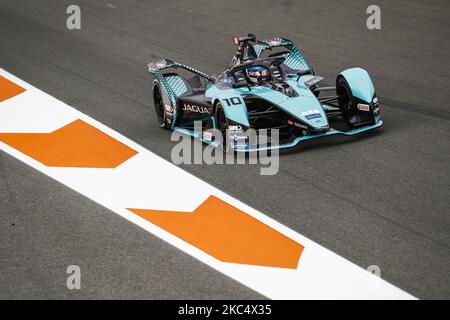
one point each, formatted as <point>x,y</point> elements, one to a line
<point>160,110</point>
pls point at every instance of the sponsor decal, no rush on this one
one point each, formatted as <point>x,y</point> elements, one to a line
<point>375,100</point>
<point>363,107</point>
<point>312,114</point>
<point>168,108</point>
<point>236,132</point>
<point>241,138</point>
<point>207,135</point>
<point>234,128</point>
<point>274,42</point>
<point>240,144</point>
<point>160,64</point>
<point>194,108</point>
<point>296,124</point>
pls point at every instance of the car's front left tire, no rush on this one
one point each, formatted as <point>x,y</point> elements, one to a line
<point>222,125</point>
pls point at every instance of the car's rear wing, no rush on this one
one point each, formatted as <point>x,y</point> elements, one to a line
<point>156,67</point>
<point>275,42</point>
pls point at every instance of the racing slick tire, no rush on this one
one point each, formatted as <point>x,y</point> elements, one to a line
<point>222,126</point>
<point>161,112</point>
<point>347,102</point>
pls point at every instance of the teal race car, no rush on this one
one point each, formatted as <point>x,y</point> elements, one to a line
<point>268,90</point>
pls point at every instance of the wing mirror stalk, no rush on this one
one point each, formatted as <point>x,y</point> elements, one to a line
<point>303,73</point>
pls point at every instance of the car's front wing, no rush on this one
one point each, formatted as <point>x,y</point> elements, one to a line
<point>291,144</point>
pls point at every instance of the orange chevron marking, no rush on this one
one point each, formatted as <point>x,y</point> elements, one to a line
<point>9,89</point>
<point>77,144</point>
<point>228,234</point>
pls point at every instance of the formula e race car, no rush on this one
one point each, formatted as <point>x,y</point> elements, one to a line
<point>268,86</point>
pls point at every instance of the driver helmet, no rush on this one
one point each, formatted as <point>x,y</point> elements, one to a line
<point>258,74</point>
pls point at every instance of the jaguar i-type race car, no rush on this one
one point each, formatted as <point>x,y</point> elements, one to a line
<point>268,86</point>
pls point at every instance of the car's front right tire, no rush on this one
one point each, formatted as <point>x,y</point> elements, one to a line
<point>346,101</point>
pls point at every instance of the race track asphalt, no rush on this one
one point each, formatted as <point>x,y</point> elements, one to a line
<point>380,199</point>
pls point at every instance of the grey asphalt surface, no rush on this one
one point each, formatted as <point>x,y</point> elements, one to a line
<point>381,199</point>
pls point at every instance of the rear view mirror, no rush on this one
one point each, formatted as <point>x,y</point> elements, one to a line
<point>303,73</point>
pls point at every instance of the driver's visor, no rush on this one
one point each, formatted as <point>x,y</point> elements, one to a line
<point>258,72</point>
